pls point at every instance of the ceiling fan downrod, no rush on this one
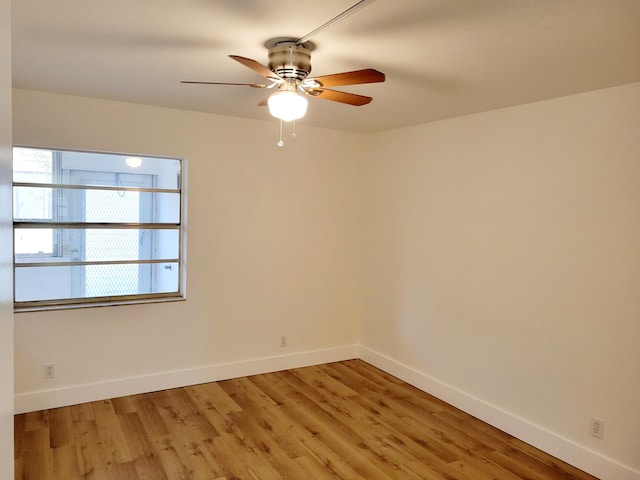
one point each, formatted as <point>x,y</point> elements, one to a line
<point>334,20</point>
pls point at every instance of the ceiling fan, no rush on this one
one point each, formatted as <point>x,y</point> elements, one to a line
<point>289,66</point>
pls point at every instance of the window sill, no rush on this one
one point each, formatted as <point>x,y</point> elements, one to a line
<point>108,303</point>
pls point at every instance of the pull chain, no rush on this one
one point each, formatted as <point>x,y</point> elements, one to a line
<point>280,142</point>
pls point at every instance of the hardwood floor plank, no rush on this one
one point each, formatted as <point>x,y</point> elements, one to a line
<point>352,424</point>
<point>150,468</point>
<point>90,452</point>
<point>221,423</point>
<point>137,438</point>
<point>36,420</point>
<point>234,463</point>
<point>272,448</point>
<point>410,398</point>
<point>375,375</point>
<point>525,466</point>
<point>423,455</point>
<point>61,427</point>
<point>483,470</point>
<point>153,422</point>
<point>315,470</point>
<point>332,460</point>
<point>19,423</point>
<point>173,460</point>
<point>279,428</point>
<point>363,428</point>
<point>36,445</point>
<point>197,457</point>
<point>489,437</point>
<point>569,471</point>
<point>214,397</point>
<point>123,405</point>
<point>330,429</point>
<point>120,471</point>
<point>245,394</point>
<point>350,413</point>
<point>344,372</point>
<point>418,470</point>
<point>110,433</point>
<point>82,412</point>
<point>182,416</point>
<point>339,421</point>
<point>65,463</point>
<point>324,383</point>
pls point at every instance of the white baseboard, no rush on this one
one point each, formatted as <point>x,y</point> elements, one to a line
<point>547,441</point>
<point>60,397</point>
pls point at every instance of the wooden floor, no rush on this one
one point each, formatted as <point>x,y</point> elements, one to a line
<point>345,420</point>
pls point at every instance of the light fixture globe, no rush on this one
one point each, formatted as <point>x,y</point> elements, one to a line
<point>133,162</point>
<point>287,105</point>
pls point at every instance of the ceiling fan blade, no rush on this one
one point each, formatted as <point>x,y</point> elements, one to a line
<point>256,67</point>
<point>342,97</point>
<point>368,75</point>
<point>264,102</point>
<point>252,85</point>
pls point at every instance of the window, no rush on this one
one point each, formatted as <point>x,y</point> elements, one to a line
<point>95,228</point>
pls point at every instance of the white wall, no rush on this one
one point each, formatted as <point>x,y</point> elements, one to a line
<point>272,237</point>
<point>6,249</point>
<point>504,269</point>
<point>501,263</point>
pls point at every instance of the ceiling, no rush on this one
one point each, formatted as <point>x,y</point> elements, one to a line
<point>442,58</point>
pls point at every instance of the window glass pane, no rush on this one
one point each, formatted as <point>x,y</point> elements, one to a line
<point>32,165</point>
<point>96,245</point>
<point>102,206</point>
<point>35,165</point>
<point>69,282</point>
<point>33,241</point>
<point>33,203</point>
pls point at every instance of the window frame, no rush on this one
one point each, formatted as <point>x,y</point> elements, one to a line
<point>58,226</point>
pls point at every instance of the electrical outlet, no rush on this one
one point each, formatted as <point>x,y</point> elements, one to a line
<point>283,341</point>
<point>597,428</point>
<point>49,370</point>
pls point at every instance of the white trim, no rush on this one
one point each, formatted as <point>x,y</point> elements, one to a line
<point>547,441</point>
<point>60,397</point>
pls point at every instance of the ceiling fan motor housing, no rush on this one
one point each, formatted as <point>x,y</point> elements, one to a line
<point>290,60</point>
